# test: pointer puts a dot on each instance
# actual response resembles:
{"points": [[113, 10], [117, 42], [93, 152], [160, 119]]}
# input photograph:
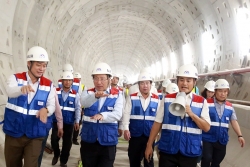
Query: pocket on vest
{"points": [[88, 132], [12, 120]]}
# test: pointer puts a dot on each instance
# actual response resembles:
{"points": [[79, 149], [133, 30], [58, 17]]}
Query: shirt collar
{"points": [[107, 90], [70, 91], [139, 94], [29, 79], [215, 101], [190, 95]]}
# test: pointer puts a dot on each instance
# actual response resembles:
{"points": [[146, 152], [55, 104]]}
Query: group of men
{"points": [[141, 117]]}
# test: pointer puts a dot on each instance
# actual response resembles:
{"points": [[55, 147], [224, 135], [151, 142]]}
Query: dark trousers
{"points": [[136, 150], [17, 149], [42, 150], [176, 160], [213, 154], [66, 144], [96, 155], [76, 132]]}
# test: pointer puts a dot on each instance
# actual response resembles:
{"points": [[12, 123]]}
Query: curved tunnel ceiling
{"points": [[127, 34]]}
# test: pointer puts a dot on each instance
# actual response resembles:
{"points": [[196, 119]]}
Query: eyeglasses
{"points": [[144, 83], [100, 79]]}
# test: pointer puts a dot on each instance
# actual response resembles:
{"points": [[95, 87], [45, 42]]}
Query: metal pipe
{"points": [[246, 103], [226, 72]]}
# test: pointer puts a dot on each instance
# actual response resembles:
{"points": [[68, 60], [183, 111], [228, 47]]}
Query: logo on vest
{"points": [[40, 103]]}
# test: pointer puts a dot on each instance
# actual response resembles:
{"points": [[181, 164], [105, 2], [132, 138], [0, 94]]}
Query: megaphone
{"points": [[177, 107]]}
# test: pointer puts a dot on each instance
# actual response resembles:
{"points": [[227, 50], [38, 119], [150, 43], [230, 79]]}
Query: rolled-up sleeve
{"points": [[160, 112], [126, 113], [205, 112], [78, 109], [51, 105], [13, 90], [87, 99], [116, 114], [58, 113]]}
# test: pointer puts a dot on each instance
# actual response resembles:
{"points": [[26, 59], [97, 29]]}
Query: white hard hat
{"points": [[37, 53], [187, 70], [68, 67], [77, 75], [102, 68], [166, 82], [221, 84], [116, 75], [172, 88], [144, 77], [67, 75], [210, 85]]}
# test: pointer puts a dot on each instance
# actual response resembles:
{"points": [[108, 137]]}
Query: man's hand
{"points": [[120, 132], [97, 117], [26, 89], [188, 110], [127, 135], [60, 133], [76, 126], [241, 141], [100, 94], [42, 114], [148, 153]]}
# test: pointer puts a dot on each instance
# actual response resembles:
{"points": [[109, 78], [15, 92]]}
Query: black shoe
{"points": [[75, 142], [63, 165], [54, 160]]}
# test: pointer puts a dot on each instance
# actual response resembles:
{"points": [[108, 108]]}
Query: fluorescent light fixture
{"points": [[207, 48], [187, 55], [243, 29], [173, 62]]}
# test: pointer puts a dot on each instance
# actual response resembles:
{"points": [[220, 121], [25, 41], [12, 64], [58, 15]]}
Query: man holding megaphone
{"points": [[182, 117]]}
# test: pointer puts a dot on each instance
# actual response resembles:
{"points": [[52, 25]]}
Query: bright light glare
{"points": [[173, 62], [164, 62], [243, 27], [207, 48], [187, 55], [158, 69], [153, 70]]}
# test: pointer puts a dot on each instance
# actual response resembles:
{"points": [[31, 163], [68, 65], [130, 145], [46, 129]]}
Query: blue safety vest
{"points": [[181, 134], [20, 117], [105, 132], [142, 121], [219, 126], [67, 106]]}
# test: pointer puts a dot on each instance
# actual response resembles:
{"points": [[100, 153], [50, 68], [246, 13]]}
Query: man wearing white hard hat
{"points": [[69, 101], [102, 110], [138, 117], [135, 88], [181, 130], [76, 81], [162, 92], [31, 101], [221, 113]]}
